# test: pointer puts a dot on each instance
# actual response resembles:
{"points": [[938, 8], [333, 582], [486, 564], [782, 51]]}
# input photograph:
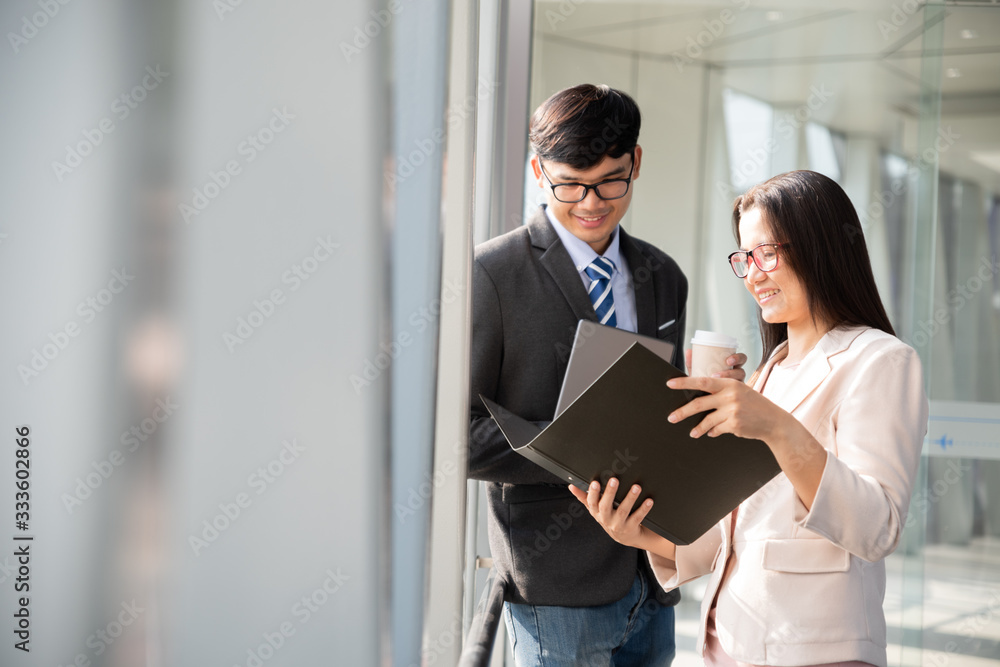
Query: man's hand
{"points": [[621, 523]]}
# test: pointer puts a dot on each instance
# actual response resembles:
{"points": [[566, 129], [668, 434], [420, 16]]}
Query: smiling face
{"points": [[592, 220], [780, 293]]}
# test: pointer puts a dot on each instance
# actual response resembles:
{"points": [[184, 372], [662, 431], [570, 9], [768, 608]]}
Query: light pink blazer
{"points": [[807, 586]]}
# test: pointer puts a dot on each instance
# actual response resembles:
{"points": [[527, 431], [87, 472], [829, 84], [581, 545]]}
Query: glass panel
{"points": [[749, 126], [822, 150], [898, 103]]}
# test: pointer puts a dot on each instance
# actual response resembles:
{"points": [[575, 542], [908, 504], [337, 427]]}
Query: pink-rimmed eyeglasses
{"points": [[765, 256]]}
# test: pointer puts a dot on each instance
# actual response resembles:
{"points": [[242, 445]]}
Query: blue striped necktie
{"points": [[600, 271]]}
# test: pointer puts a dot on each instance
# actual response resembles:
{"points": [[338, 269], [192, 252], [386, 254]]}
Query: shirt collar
{"points": [[581, 253]]}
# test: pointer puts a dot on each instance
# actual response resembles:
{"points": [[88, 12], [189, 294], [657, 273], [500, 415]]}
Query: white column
{"points": [[442, 632]]}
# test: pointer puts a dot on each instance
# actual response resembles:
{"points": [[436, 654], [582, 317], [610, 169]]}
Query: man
{"points": [[574, 596]]}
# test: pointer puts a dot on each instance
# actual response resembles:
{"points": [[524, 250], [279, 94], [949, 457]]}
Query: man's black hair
{"points": [[580, 125]]}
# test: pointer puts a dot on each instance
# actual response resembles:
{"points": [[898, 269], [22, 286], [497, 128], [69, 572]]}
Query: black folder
{"points": [[618, 428]]}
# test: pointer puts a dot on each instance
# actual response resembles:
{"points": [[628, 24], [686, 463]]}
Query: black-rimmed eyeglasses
{"points": [[571, 193], [765, 256]]}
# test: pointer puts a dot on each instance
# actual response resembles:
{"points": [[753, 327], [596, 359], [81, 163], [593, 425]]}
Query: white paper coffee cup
{"points": [[709, 351]]}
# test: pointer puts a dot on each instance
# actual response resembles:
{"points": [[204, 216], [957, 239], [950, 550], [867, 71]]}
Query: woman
{"points": [[797, 570]]}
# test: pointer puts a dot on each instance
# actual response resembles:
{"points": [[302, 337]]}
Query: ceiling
{"points": [[871, 53]]}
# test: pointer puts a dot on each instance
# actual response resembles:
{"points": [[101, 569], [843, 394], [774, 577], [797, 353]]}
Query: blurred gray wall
{"points": [[208, 484]]}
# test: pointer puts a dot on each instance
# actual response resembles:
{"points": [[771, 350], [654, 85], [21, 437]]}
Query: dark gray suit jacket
{"points": [[527, 300]]}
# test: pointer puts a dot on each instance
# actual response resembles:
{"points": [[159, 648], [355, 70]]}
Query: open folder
{"points": [[618, 428]]}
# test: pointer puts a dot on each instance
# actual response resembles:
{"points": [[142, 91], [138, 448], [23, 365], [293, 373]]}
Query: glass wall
{"points": [[221, 261], [898, 102]]}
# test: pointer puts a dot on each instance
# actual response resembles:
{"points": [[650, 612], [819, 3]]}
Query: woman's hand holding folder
{"points": [[734, 407]]}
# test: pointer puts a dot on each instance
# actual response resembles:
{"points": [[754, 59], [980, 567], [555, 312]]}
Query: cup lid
{"points": [[712, 338]]}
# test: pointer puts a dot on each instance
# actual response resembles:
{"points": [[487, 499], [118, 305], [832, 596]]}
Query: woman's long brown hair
{"points": [[826, 250]]}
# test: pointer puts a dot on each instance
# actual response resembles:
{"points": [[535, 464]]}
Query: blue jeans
{"points": [[636, 630]]}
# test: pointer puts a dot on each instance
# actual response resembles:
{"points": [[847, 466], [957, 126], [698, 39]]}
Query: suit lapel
{"points": [[557, 262], [814, 368], [645, 300]]}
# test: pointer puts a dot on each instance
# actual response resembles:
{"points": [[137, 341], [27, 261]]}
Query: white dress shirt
{"points": [[621, 280]]}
